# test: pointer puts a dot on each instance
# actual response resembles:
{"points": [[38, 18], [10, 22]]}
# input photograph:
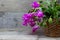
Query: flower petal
{"points": [[35, 28]]}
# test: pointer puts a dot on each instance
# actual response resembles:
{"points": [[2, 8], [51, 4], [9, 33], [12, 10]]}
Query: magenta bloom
{"points": [[27, 16], [28, 19], [32, 23], [32, 19], [35, 28], [25, 23], [35, 4], [39, 14]]}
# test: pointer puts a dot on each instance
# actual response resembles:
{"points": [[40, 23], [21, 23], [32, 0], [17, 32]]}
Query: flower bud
{"points": [[50, 20]]}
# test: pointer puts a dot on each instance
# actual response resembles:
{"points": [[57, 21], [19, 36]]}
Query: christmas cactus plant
{"points": [[41, 12]]}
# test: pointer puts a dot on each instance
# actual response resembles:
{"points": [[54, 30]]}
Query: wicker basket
{"points": [[53, 30]]}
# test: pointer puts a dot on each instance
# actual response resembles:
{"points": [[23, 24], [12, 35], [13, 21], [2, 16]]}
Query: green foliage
{"points": [[51, 10]]}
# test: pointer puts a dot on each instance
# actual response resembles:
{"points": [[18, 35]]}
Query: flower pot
{"points": [[52, 30]]}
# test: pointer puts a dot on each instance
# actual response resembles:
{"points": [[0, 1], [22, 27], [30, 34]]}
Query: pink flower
{"points": [[35, 28], [25, 17], [32, 19], [25, 23], [32, 23], [35, 4], [28, 19], [39, 14]]}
